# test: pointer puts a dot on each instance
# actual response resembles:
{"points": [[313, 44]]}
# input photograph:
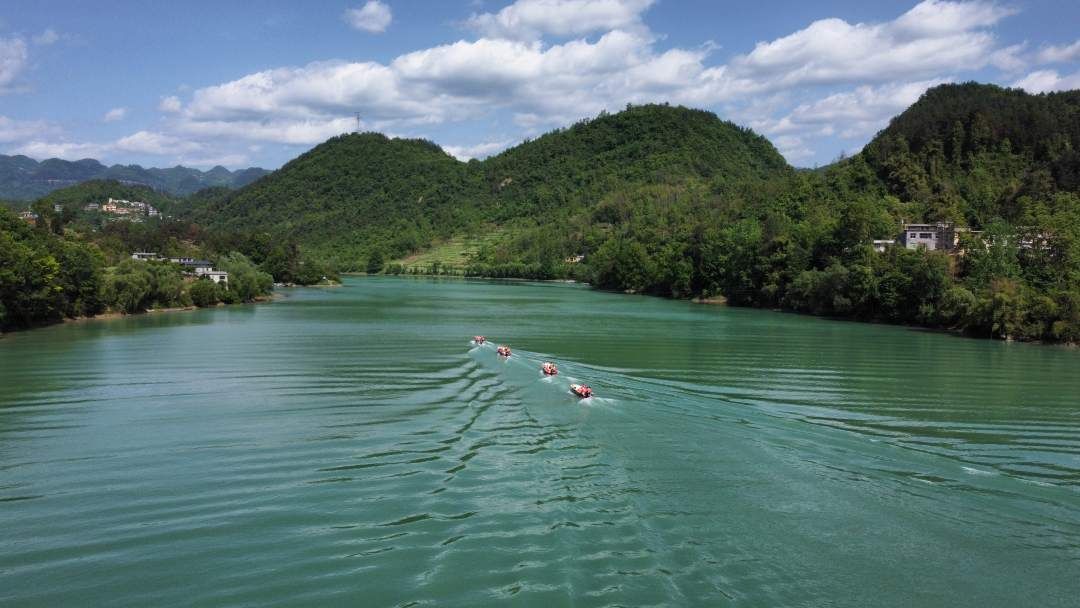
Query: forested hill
{"points": [[353, 190], [972, 152], [358, 192], [642, 144], [23, 178]]}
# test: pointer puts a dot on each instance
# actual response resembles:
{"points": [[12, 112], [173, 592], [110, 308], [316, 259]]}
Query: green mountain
{"points": [[971, 152], [363, 192], [23, 178], [354, 189]]}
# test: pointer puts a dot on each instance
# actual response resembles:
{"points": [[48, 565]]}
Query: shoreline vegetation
{"points": [[656, 200]]}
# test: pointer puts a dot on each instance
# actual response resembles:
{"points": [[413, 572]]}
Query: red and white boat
{"points": [[503, 351], [479, 340], [549, 369], [581, 390]]}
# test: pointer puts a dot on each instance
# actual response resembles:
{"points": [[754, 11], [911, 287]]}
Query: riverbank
{"points": [[110, 315]]}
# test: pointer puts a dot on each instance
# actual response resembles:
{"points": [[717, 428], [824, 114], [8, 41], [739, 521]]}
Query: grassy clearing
{"points": [[454, 253]]}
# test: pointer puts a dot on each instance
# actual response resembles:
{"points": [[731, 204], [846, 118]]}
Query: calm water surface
{"points": [[350, 447]]}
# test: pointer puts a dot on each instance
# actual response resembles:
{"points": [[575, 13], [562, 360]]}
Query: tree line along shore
{"points": [[662, 200]]}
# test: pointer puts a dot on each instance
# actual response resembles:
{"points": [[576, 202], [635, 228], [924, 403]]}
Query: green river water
{"points": [[349, 447]]}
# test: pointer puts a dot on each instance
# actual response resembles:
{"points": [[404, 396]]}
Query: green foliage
{"points": [[44, 278], [246, 281], [127, 288], [358, 193], [375, 262], [204, 292]]}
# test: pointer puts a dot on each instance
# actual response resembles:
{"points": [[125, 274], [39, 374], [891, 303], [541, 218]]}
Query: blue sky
{"points": [[242, 83]]}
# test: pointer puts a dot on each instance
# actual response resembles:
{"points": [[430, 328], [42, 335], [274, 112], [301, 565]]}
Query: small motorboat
{"points": [[549, 369], [581, 390], [479, 340], [503, 351]]}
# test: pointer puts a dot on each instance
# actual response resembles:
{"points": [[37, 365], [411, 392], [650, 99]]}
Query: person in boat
{"points": [[479, 339], [581, 390], [503, 350], [549, 369]]}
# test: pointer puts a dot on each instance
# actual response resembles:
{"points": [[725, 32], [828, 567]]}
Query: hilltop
{"points": [[971, 152], [23, 178], [358, 193]]}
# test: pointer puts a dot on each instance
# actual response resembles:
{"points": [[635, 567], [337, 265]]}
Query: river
{"points": [[349, 446]]}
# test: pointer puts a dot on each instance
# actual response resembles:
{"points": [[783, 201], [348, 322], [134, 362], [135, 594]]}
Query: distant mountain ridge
{"points": [[23, 178]]}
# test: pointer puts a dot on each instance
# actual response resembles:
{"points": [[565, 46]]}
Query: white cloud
{"points": [[21, 130], [114, 115], [49, 36], [1009, 59], [793, 148], [226, 160], [543, 84], [932, 37], [832, 78], [1044, 81], [170, 104], [66, 150], [481, 150], [943, 18], [532, 19], [13, 58], [857, 113], [149, 142], [373, 17], [286, 132], [1060, 54]]}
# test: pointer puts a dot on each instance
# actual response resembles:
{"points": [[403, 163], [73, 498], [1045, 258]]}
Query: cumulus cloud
{"points": [[279, 131], [1045, 81], [373, 17], [1060, 54], [170, 104], [532, 19], [544, 84], [140, 142], [115, 115], [481, 150], [65, 150], [857, 113], [550, 62], [794, 149], [932, 37], [226, 160], [13, 58], [20, 130], [149, 142]]}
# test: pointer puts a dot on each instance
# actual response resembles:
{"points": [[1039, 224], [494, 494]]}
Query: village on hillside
{"points": [[113, 209]]}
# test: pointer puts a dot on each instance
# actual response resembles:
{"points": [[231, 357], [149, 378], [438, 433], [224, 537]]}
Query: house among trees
{"points": [[934, 237], [192, 267], [29, 217]]}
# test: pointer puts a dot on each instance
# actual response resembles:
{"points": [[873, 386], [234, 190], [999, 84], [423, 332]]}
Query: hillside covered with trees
{"points": [[362, 194], [998, 162], [678, 203]]}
